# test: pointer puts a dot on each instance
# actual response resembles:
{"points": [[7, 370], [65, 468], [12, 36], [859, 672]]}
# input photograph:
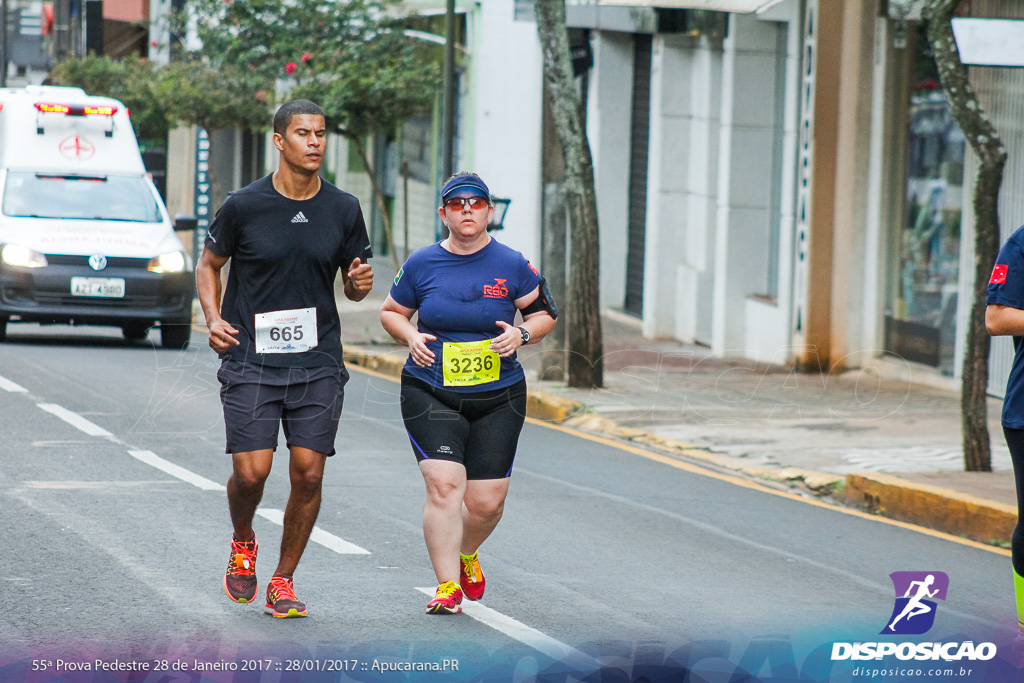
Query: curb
{"points": [[383, 362], [539, 405], [933, 507]]}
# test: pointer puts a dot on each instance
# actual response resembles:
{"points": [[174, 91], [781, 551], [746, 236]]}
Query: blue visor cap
{"points": [[465, 186]]}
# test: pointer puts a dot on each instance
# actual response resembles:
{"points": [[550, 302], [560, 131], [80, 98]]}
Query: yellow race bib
{"points": [[467, 364]]}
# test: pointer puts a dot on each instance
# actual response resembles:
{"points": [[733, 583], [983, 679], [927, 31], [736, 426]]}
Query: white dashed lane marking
{"points": [[527, 635], [154, 460], [75, 420], [324, 538], [13, 387]]}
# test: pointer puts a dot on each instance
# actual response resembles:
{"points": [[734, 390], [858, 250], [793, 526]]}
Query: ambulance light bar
{"points": [[75, 110]]}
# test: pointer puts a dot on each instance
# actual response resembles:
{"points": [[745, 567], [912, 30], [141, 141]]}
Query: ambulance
{"points": [[84, 237]]}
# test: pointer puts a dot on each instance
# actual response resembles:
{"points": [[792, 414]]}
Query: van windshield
{"points": [[95, 197]]}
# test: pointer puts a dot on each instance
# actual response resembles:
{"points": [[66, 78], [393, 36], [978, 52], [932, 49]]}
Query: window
{"points": [[920, 322], [111, 198]]}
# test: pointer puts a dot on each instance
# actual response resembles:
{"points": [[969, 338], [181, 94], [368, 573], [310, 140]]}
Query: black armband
{"points": [[543, 303]]}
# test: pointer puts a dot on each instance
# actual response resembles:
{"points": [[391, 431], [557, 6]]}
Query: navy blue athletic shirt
{"points": [[459, 297], [1006, 288]]}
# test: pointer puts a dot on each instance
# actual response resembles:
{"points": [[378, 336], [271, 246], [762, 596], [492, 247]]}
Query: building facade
{"points": [[786, 182]]}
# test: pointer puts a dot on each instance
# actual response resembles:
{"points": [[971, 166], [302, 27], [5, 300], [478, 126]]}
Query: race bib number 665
{"points": [[291, 331]]}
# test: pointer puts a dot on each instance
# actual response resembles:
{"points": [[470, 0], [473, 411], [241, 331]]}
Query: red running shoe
{"points": [[281, 600], [240, 579], [447, 600], [472, 579]]}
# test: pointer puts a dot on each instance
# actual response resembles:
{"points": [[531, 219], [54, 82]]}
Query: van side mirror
{"points": [[184, 222]]}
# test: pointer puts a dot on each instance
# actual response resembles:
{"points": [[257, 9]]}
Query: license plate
{"points": [[112, 287]]}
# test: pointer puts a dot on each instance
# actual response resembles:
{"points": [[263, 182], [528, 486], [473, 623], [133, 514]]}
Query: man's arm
{"points": [[222, 334]]}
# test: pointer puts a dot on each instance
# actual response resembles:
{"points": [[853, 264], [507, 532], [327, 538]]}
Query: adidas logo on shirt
{"points": [[299, 218]]}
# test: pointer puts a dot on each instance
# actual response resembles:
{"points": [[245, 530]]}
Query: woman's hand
{"points": [[418, 351], [506, 343]]}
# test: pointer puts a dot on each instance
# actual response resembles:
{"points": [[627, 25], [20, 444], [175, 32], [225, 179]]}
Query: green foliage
{"points": [[196, 92], [352, 58], [132, 81]]}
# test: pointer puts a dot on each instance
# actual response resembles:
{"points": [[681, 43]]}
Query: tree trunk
{"points": [[379, 196], [582, 307], [985, 142], [552, 361]]}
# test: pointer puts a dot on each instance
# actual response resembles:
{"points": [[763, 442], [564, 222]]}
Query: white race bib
{"points": [[291, 331]]}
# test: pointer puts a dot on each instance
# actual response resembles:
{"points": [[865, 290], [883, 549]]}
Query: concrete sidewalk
{"points": [[863, 439]]}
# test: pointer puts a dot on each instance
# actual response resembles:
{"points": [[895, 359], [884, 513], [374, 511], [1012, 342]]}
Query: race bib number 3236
{"points": [[467, 364], [291, 331]]}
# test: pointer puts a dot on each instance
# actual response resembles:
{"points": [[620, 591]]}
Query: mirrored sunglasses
{"points": [[456, 203]]}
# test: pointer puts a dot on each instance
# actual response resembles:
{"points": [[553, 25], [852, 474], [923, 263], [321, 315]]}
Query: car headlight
{"points": [[23, 257], [173, 262]]}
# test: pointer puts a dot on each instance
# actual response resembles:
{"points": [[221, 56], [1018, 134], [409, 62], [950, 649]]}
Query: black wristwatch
{"points": [[526, 335]]}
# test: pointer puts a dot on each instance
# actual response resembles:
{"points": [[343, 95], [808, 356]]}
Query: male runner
{"points": [[279, 337]]}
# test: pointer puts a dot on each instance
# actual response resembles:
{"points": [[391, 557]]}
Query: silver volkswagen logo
{"points": [[97, 262]]}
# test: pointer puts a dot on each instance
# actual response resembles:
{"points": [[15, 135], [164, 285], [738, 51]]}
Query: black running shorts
{"points": [[480, 429], [257, 401]]}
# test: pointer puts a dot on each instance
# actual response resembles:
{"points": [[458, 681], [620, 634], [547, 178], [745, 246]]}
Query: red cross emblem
{"points": [[77, 148]]}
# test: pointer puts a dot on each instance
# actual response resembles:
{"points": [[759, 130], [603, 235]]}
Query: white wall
{"points": [[768, 324], [694, 272], [608, 129], [667, 178], [506, 76], [744, 177]]}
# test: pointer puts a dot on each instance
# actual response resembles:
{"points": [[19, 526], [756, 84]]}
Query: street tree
{"points": [[991, 153], [582, 310], [213, 96], [353, 58]]}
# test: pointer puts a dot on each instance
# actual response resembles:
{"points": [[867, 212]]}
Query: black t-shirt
{"points": [[285, 255]]}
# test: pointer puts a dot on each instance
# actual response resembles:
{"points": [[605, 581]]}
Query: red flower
{"points": [[290, 68], [306, 57]]}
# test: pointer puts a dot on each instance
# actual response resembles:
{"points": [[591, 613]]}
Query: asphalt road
{"points": [[115, 541]]}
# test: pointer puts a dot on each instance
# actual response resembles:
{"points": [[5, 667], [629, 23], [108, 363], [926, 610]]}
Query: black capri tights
{"points": [[1015, 440], [478, 429]]}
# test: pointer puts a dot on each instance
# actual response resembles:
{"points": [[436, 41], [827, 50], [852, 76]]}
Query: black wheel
{"points": [[135, 331], [175, 335], [3, 329]]}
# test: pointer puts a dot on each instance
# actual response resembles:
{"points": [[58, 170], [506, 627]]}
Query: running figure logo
{"points": [[914, 613]]}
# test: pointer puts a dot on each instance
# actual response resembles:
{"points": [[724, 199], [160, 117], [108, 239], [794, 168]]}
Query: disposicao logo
{"points": [[913, 614], [916, 592]]}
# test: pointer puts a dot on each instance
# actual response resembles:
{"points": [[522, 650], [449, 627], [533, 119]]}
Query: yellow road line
{"points": [[739, 481]]}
